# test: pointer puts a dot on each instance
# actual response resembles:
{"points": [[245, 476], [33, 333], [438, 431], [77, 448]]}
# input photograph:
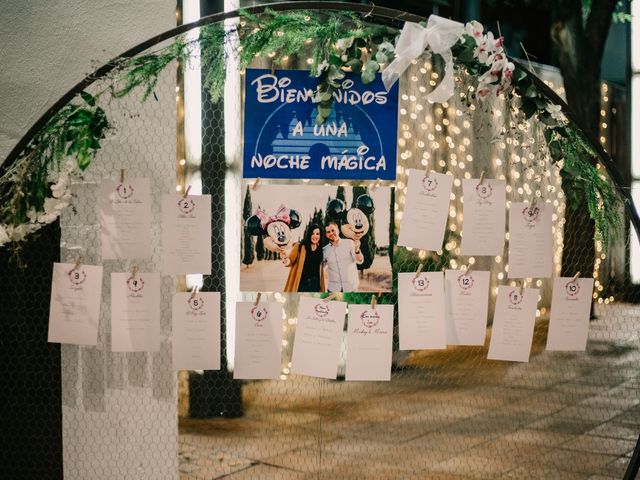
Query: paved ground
{"points": [[443, 415]]}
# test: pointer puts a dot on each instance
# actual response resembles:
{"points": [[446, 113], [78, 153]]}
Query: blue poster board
{"points": [[281, 139]]}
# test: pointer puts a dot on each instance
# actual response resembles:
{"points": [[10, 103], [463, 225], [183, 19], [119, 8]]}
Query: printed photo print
{"points": [[316, 239]]}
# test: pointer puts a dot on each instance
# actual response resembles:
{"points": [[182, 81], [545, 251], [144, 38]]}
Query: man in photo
{"points": [[341, 256]]}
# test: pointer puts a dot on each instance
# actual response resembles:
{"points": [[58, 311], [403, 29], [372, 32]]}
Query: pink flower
{"points": [[474, 29]]}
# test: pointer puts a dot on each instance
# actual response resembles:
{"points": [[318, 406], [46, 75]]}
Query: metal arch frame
{"points": [[388, 14], [369, 10]]}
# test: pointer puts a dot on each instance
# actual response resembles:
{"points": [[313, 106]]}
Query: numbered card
{"points": [[513, 324], [570, 312], [466, 306], [425, 211], [483, 219], [186, 234], [125, 218], [196, 331], [530, 240], [421, 311], [316, 349], [258, 340], [369, 342], [135, 312], [75, 304]]}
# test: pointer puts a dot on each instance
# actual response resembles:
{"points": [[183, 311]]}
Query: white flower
{"points": [[474, 29], [47, 217], [4, 235], [322, 66], [343, 43], [556, 112]]}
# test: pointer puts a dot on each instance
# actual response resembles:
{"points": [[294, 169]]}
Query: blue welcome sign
{"points": [[281, 139]]}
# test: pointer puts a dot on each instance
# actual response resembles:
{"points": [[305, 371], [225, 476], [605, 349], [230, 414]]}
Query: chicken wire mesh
{"points": [[444, 414]]}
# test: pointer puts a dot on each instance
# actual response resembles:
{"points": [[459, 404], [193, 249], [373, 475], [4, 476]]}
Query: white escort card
{"points": [[530, 240], [513, 324], [125, 218], [74, 310], [369, 342], [186, 234], [466, 306], [135, 312], [483, 217], [425, 211], [421, 311], [258, 340], [196, 331], [316, 348], [570, 311]]}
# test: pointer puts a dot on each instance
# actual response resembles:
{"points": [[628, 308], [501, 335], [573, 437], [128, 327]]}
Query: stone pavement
{"points": [[444, 415]]}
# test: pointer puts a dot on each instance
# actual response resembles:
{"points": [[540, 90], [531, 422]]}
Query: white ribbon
{"points": [[440, 35]]}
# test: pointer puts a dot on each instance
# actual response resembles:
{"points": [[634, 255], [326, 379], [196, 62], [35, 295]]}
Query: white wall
{"points": [[119, 410], [46, 47]]}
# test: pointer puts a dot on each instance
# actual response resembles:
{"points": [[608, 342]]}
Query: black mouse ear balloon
{"points": [[294, 219], [335, 209], [253, 226], [365, 203]]}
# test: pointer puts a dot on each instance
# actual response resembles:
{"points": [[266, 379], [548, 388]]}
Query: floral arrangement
{"points": [[35, 188]]}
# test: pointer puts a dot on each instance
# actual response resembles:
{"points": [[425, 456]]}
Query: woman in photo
{"points": [[305, 261]]}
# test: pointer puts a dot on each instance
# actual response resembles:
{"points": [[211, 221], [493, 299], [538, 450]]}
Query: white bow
{"points": [[440, 35]]}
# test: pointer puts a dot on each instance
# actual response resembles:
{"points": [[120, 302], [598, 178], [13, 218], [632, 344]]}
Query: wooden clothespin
{"points": [[376, 185], [374, 302], [467, 271], [134, 271], [481, 178], [330, 297], [521, 289], [78, 263], [257, 299], [255, 183], [420, 267], [575, 277], [194, 291], [122, 175], [186, 192]]}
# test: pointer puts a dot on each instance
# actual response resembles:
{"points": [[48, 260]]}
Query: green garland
{"points": [[337, 43]]}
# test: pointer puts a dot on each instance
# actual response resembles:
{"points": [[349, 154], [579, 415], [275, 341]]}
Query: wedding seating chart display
{"points": [[196, 331], [513, 324], [466, 306], [483, 219], [530, 240], [282, 139], [570, 310], [421, 311], [369, 342], [125, 218], [316, 348], [425, 211], [74, 313], [135, 312], [258, 340], [186, 234]]}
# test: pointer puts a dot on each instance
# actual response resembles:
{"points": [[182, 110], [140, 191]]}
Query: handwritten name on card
{"points": [[135, 312], [421, 311], [369, 342], [196, 331], [513, 324], [426, 209], [75, 304], [466, 306], [316, 348], [570, 311], [258, 340]]}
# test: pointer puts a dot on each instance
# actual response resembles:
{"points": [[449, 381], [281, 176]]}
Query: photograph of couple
{"points": [[342, 246]]}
